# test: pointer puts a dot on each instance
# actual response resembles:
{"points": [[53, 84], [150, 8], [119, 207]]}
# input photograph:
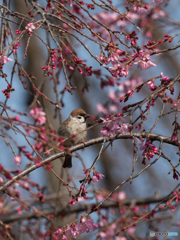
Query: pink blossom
{"points": [[97, 176], [1, 180], [139, 10], [158, 14], [100, 197], [115, 126], [136, 209], [165, 79], [129, 84], [58, 231], [151, 83], [141, 143], [143, 60], [149, 149], [124, 72], [85, 225], [120, 238], [133, 16], [131, 231], [81, 200], [121, 195], [124, 128], [112, 95], [117, 70], [108, 19], [38, 115], [113, 108], [17, 160], [8, 90], [70, 2], [26, 185], [30, 27], [100, 58], [72, 201], [72, 231], [17, 118], [19, 210], [64, 237], [108, 232], [101, 108], [4, 59], [14, 191], [112, 57], [43, 136], [108, 129], [70, 68]]}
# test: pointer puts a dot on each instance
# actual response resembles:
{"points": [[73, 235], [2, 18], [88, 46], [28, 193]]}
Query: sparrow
{"points": [[74, 125]]}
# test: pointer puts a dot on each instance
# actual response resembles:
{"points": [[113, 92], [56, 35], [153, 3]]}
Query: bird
{"points": [[74, 125]]}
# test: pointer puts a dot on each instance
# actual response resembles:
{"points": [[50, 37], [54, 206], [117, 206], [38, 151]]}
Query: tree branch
{"points": [[152, 137], [82, 208]]}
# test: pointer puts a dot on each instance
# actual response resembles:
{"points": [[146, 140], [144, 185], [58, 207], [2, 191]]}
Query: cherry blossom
{"points": [[121, 195], [85, 225], [165, 79], [108, 231], [8, 90], [4, 59], [158, 13], [1, 180], [148, 147], [17, 160], [58, 231], [112, 95], [131, 231], [72, 201], [30, 27], [143, 60], [115, 126], [97, 176], [120, 238], [129, 84], [19, 210], [117, 70], [113, 108], [141, 144], [38, 115], [101, 108], [64, 237], [117, 37]]}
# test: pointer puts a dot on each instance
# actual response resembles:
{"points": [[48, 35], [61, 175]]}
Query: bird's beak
{"points": [[86, 115]]}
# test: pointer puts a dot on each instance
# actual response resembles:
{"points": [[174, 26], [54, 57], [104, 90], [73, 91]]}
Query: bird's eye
{"points": [[79, 117]]}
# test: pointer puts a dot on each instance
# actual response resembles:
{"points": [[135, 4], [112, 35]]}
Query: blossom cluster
{"points": [[115, 125], [96, 176], [85, 225], [117, 69], [148, 148], [143, 60], [8, 90], [38, 115]]}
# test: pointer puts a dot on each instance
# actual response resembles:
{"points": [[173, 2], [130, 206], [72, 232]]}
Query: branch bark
{"points": [[152, 137], [80, 208]]}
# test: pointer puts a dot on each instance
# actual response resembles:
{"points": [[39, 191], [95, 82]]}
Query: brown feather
{"points": [[78, 111]]}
